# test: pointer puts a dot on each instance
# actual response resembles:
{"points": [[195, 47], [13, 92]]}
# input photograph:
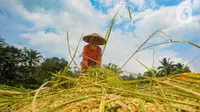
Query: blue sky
{"points": [[42, 25]]}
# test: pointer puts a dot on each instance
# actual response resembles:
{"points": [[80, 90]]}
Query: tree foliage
{"points": [[168, 68], [26, 67], [113, 67]]}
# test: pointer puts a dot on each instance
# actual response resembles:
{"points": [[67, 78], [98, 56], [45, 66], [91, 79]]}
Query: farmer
{"points": [[92, 52]]}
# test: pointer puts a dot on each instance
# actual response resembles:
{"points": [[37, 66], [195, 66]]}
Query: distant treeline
{"points": [[26, 67], [167, 68]]}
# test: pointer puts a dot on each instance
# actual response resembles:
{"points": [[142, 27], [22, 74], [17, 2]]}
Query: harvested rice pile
{"points": [[100, 90]]}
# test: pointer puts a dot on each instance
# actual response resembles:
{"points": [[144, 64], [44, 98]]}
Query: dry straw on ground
{"points": [[101, 89]]}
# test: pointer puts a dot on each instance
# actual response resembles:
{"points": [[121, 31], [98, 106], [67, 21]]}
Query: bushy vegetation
{"points": [[167, 68], [26, 67]]}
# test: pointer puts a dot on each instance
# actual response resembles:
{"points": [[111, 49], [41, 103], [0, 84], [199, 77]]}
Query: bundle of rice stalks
{"points": [[100, 89]]}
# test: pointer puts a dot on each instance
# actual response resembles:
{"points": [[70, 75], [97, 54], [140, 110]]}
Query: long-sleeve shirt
{"points": [[94, 54]]}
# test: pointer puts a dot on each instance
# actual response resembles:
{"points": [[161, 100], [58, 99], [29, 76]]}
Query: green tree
{"points": [[166, 68], [150, 73], [169, 68], [34, 57], [9, 65], [128, 77], [25, 67], [2, 43], [113, 67], [181, 68], [54, 64]]}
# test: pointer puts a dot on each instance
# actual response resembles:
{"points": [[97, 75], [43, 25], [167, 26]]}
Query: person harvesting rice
{"points": [[92, 53]]}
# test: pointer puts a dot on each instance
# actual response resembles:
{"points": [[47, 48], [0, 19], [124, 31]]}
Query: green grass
{"points": [[10, 88]]}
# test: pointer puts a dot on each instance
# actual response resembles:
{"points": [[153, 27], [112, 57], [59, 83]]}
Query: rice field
{"points": [[101, 89]]}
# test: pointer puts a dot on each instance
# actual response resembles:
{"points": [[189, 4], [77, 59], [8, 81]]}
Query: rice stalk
{"points": [[129, 12], [142, 80], [159, 30], [103, 91], [72, 57], [102, 105], [64, 104], [109, 31], [170, 84], [112, 108], [140, 94], [75, 52], [165, 83], [165, 34], [123, 105], [152, 73], [143, 108], [151, 36], [35, 96], [146, 95], [66, 68], [10, 92], [183, 93], [184, 109], [173, 41]]}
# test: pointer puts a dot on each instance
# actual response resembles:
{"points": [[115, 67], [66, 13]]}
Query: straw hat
{"points": [[101, 40]]}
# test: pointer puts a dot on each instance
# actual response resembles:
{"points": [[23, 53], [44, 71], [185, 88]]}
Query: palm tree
{"points": [[3, 45], [181, 68], [2, 42], [167, 67], [33, 57]]}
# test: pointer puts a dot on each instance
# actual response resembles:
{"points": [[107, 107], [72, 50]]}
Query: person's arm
{"points": [[99, 57], [85, 59]]}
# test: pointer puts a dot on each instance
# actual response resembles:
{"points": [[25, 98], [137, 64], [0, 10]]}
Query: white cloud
{"points": [[153, 20], [139, 3], [196, 5], [107, 2], [47, 42]]}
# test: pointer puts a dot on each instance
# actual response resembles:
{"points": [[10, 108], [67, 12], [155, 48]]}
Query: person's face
{"points": [[94, 42]]}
